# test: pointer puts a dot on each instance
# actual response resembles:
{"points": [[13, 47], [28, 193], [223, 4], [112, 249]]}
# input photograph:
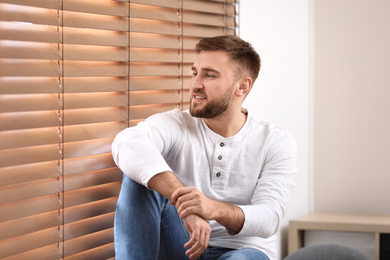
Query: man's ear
{"points": [[244, 87]]}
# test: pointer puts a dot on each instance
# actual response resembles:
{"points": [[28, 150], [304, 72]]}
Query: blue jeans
{"points": [[148, 227]]}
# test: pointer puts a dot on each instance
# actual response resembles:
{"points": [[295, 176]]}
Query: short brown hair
{"points": [[239, 51]]}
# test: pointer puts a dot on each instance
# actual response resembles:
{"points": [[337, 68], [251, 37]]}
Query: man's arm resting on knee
{"points": [[190, 200], [166, 183]]}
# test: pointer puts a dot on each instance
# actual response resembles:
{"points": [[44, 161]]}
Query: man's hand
{"points": [[166, 183], [200, 232], [189, 200], [194, 220]]}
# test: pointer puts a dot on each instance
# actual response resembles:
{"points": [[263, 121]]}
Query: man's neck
{"points": [[227, 124]]}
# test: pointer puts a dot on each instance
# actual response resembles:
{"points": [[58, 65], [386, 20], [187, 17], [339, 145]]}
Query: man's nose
{"points": [[196, 82]]}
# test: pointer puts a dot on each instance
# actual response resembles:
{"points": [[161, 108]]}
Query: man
{"points": [[211, 182]]}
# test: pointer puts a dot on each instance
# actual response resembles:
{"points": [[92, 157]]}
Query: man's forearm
{"points": [[165, 183], [229, 216], [190, 200]]}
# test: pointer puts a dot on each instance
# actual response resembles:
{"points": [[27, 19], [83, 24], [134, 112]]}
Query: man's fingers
{"points": [[195, 254], [198, 242], [178, 193], [197, 247], [194, 238], [187, 208]]}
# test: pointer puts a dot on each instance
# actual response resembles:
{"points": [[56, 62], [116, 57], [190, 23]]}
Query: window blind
{"points": [[73, 73]]}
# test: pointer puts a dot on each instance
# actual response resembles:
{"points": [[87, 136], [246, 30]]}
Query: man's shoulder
{"points": [[267, 127], [172, 116], [174, 113]]}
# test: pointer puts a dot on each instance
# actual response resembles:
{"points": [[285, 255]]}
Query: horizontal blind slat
{"points": [[106, 7], [29, 68], [29, 50], [84, 227], [36, 3], [88, 179], [26, 155], [95, 84], [155, 40], [89, 210], [91, 194], [30, 32], [92, 131], [209, 7], [155, 83], [88, 163], [155, 55], [84, 243], [30, 224], [186, 95], [188, 57], [155, 97], [187, 71], [23, 102], [49, 252], [95, 21], [28, 120], [29, 172], [92, 100], [29, 137], [205, 31], [208, 19], [189, 42], [95, 37], [154, 13], [30, 207], [166, 3], [154, 69], [30, 190], [29, 85], [101, 252], [27, 14], [144, 111], [95, 69], [87, 148], [95, 53], [30, 241], [158, 27], [95, 115]]}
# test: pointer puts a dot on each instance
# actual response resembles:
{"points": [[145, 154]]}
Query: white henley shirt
{"points": [[253, 169]]}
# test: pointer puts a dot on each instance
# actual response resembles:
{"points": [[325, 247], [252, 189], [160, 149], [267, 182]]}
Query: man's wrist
{"points": [[230, 216], [165, 183]]}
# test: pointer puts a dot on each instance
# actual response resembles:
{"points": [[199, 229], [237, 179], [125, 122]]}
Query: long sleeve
{"points": [[264, 216], [138, 151]]}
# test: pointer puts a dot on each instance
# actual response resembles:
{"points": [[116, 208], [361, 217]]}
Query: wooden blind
{"points": [[73, 73]]}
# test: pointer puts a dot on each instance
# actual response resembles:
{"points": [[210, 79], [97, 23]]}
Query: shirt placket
{"points": [[219, 171]]}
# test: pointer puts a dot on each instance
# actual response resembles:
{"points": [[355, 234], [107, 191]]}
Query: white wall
{"points": [[280, 30]]}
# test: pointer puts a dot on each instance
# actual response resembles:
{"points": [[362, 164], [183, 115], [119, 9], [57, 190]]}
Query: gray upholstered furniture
{"points": [[326, 252]]}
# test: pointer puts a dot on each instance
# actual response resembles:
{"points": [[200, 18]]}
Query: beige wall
{"points": [[351, 163], [326, 77]]}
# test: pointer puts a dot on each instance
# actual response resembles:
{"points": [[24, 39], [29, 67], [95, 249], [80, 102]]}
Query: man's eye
{"points": [[210, 76], [194, 74]]}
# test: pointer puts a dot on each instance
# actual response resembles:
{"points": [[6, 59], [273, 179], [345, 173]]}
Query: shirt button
{"points": [[219, 157], [218, 174], [222, 144]]}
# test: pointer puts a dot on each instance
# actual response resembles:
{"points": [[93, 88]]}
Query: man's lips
{"points": [[198, 97]]}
